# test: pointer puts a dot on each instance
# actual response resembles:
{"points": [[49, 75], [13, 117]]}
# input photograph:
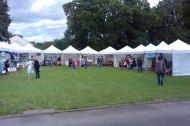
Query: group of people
{"points": [[72, 62], [131, 62], [160, 66], [4, 67], [33, 62], [53, 61]]}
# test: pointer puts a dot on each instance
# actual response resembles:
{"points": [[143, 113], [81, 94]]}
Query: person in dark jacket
{"points": [[6, 64], [160, 70], [37, 68], [140, 63]]}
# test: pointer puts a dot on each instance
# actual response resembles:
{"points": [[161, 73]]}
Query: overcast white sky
{"points": [[40, 20]]}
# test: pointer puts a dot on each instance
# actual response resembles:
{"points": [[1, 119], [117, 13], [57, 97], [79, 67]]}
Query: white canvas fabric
{"points": [[88, 50], [30, 49], [71, 50], [181, 64], [19, 41], [52, 49], [108, 50], [139, 49], [163, 48], [16, 48], [125, 50], [150, 48], [4, 47], [179, 47]]}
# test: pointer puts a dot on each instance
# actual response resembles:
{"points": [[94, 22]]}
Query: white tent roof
{"points": [[16, 48], [139, 49], [52, 49], [19, 41], [180, 47], [163, 48], [108, 50], [125, 50], [4, 47], [71, 50], [150, 48], [30, 49], [88, 50]]}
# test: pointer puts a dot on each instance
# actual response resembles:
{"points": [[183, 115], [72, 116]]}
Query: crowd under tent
{"points": [[51, 53], [91, 55], [108, 55], [28, 51], [70, 52], [122, 54]]}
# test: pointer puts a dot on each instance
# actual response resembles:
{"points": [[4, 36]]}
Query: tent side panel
{"points": [[181, 64]]}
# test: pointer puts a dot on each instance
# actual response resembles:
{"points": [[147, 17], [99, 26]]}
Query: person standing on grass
{"points": [[29, 68], [140, 63], [37, 68], [1, 67], [160, 70], [85, 62], [7, 66]]}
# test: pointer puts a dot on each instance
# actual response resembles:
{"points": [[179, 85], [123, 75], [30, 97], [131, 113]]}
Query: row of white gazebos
{"points": [[178, 51], [176, 47]]}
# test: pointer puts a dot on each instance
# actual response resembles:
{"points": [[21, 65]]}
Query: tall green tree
{"points": [[186, 13], [170, 22], [186, 19], [102, 23], [4, 19]]}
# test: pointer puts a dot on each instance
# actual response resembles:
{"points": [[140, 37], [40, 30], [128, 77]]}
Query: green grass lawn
{"points": [[65, 88]]}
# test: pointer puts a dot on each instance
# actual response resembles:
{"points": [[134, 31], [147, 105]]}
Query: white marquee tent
{"points": [[19, 41], [71, 50], [181, 58], [88, 50], [4, 47], [53, 50], [139, 49], [31, 49], [16, 48], [125, 50], [150, 48], [179, 47], [108, 50], [163, 48]]}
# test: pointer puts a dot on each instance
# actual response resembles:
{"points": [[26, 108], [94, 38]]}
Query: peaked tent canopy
{"points": [[71, 50], [139, 49], [108, 50], [4, 47], [88, 50], [125, 50], [163, 48], [19, 41], [150, 48], [16, 48], [52, 49], [30, 49], [179, 47]]}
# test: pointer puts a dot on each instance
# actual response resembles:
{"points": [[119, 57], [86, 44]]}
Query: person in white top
{"points": [[29, 68]]}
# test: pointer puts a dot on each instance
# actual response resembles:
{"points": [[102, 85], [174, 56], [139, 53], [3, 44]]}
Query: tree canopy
{"points": [[4, 19], [102, 23]]}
